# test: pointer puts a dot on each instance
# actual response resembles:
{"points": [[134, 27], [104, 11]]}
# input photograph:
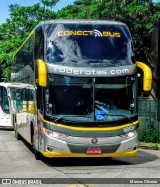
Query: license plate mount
{"points": [[94, 151]]}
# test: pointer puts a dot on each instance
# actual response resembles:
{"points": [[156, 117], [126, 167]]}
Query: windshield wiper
{"points": [[65, 119], [59, 119]]}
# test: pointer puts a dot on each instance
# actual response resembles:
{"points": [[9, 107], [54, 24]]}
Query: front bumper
{"points": [[77, 146], [117, 154]]}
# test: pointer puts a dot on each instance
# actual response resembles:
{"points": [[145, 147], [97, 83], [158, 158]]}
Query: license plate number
{"points": [[93, 151]]}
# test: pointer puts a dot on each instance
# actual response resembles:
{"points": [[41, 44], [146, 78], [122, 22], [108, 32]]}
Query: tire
{"points": [[108, 158], [12, 121], [17, 135], [37, 154]]}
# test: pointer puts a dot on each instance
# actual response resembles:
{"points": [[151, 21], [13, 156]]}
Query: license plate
{"points": [[93, 151]]}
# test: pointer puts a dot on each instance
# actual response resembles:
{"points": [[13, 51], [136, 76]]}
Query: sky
{"points": [[4, 14]]}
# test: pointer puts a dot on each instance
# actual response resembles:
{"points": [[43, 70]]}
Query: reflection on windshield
{"points": [[81, 45], [114, 99], [91, 99]]}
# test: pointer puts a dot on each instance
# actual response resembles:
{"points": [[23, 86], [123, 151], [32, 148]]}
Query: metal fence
{"points": [[149, 115]]}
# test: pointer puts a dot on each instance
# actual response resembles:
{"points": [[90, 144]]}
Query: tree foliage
{"points": [[139, 15], [14, 31], [49, 3]]}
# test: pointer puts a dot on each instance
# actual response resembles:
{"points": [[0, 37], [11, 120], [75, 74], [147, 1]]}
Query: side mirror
{"points": [[147, 79], [42, 73]]}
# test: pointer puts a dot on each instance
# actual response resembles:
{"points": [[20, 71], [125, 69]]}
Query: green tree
{"points": [[14, 31], [49, 3]]}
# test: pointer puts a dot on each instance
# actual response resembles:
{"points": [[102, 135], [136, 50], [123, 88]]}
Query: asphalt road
{"points": [[17, 161]]}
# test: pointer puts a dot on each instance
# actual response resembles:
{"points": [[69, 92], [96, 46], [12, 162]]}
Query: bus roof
{"points": [[80, 21]]}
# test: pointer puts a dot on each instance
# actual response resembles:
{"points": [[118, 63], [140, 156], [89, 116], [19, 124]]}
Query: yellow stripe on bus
{"points": [[32, 33], [117, 154], [90, 128]]}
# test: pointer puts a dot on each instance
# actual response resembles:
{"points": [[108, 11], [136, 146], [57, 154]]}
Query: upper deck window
{"points": [[89, 45]]}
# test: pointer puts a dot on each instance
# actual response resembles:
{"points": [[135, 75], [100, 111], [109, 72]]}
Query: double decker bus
{"points": [[80, 98]]}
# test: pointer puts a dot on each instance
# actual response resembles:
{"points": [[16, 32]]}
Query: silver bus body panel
{"points": [[82, 143]]}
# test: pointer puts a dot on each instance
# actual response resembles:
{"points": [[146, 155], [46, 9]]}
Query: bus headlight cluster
{"points": [[129, 134], [54, 134]]}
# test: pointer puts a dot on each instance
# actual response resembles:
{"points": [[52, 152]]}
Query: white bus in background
{"points": [[7, 91]]}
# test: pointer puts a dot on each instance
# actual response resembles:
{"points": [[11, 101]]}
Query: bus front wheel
{"points": [[17, 135], [37, 154]]}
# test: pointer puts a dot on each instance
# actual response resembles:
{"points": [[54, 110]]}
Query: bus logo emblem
{"points": [[97, 33], [94, 140]]}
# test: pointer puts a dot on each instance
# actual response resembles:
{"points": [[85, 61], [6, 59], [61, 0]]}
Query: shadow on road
{"points": [[6, 129], [143, 157]]}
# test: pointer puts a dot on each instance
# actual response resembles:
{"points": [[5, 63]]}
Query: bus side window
{"points": [[19, 99], [29, 95], [39, 45], [6, 104], [1, 93]]}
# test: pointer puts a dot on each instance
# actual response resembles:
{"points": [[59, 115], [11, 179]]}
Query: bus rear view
{"points": [[86, 88]]}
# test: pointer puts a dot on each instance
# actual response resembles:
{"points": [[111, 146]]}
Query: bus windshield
{"points": [[89, 45], [91, 99]]}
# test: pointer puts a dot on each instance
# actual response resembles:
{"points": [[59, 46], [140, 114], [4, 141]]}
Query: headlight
{"points": [[54, 134], [129, 134]]}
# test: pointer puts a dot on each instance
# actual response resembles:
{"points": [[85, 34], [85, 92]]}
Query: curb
{"points": [[153, 146]]}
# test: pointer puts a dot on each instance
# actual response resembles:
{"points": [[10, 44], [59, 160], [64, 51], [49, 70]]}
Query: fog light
{"points": [[135, 148], [51, 148], [131, 148]]}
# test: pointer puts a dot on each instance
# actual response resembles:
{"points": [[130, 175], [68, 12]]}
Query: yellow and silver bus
{"points": [[80, 98]]}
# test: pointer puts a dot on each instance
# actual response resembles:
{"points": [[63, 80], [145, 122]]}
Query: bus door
{"points": [[19, 109], [25, 111]]}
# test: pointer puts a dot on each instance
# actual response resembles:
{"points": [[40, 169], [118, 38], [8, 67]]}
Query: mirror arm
{"points": [[42, 73], [147, 79]]}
